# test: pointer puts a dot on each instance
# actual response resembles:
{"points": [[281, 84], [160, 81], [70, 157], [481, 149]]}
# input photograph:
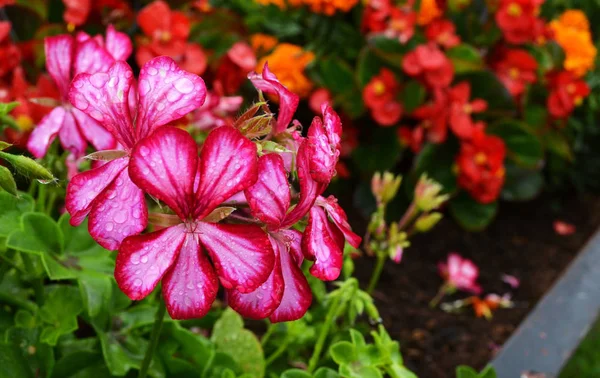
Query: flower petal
{"points": [[228, 164], [154, 17], [118, 212], [191, 285], [59, 55], [91, 57], [288, 101], [118, 44], [70, 137], [338, 215], [143, 260], [93, 131], [261, 303], [166, 93], [241, 254], [297, 295], [45, 132], [85, 187], [323, 243], [105, 98], [165, 165], [269, 198]]}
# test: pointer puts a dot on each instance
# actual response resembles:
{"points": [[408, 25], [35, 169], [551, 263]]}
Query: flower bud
{"points": [[7, 181], [396, 254], [427, 194], [28, 167], [256, 127], [426, 221], [385, 187]]}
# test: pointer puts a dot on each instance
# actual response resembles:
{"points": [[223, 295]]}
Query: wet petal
{"points": [[93, 131], [70, 137], [323, 243], [118, 212], [338, 215], [288, 101], [241, 254], [261, 303], [45, 132], [297, 295], [143, 260], [269, 197], [118, 44], [165, 165], [191, 285], [228, 164], [85, 187], [105, 98], [325, 143], [166, 93], [59, 55], [91, 57]]}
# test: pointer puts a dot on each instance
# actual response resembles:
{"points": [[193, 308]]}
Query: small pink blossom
{"points": [[564, 228], [460, 273], [216, 111], [398, 253], [511, 280]]}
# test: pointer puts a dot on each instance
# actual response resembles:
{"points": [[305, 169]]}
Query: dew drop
{"points": [[144, 151], [137, 282], [144, 259], [109, 226], [184, 85]]}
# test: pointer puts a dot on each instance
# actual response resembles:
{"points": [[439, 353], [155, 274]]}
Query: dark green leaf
{"points": [[524, 147], [556, 142], [337, 75], [296, 373], [465, 58], [60, 311], [521, 184], [12, 363], [368, 65], [485, 85], [412, 95], [466, 372], [436, 160], [75, 362], [380, 152], [7, 181], [472, 215], [12, 210], [38, 234]]}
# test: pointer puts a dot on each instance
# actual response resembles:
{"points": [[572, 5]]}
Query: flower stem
{"points": [[438, 297], [278, 352], [376, 273], [408, 216], [38, 283], [154, 336], [329, 319], [267, 335]]}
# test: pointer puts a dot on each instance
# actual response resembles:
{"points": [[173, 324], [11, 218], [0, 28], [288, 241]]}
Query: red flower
{"points": [[9, 53], [76, 11], [235, 66], [401, 25], [566, 92], [379, 96], [442, 32], [516, 69], [412, 138], [518, 20], [318, 98], [481, 166], [434, 117], [167, 32], [461, 109], [375, 15], [429, 63]]}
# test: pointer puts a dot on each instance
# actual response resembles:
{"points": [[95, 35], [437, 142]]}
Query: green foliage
{"points": [[468, 372], [470, 214]]}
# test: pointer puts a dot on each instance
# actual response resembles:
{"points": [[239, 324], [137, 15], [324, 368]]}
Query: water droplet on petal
{"points": [[184, 85], [137, 282]]}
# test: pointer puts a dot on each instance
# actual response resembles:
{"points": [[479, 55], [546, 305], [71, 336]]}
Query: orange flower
{"points": [[288, 62], [281, 4], [262, 43], [330, 7], [572, 33], [428, 12]]}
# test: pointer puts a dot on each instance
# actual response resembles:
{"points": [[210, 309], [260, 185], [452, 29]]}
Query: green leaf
{"points": [[524, 147], [521, 184], [380, 152], [4, 145], [96, 290], [336, 75], [243, 346], [367, 66], [535, 116], [465, 58], [125, 352], [27, 337], [488, 372], [6, 108], [60, 311], [7, 181], [412, 95], [75, 362], [324, 372], [436, 160], [296, 373], [466, 372], [485, 85], [343, 352], [12, 210], [472, 215], [557, 143], [12, 363], [38, 234], [190, 347]]}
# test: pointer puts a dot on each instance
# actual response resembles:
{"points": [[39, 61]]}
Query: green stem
{"points": [[438, 297], [408, 216], [154, 336], [267, 335], [17, 301], [329, 319], [40, 204], [51, 201], [38, 282], [277, 353], [376, 272]]}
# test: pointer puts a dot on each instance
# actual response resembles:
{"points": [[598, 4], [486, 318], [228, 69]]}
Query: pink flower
{"points": [[511, 280], [193, 256], [288, 101], [216, 111], [66, 57], [460, 273], [324, 143], [428, 63], [563, 228], [115, 205]]}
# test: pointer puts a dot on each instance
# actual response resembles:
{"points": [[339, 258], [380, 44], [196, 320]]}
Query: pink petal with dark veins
{"points": [[288, 101], [297, 295], [323, 243], [70, 137], [165, 165], [324, 138], [104, 97], [118, 212], [228, 164], [93, 131], [84, 188], [269, 197], [261, 303], [166, 93], [44, 133], [241, 254], [337, 214], [118, 44], [59, 55], [191, 285], [144, 259]]}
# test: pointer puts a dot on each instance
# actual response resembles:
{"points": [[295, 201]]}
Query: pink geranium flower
{"points": [[460, 273], [115, 205], [190, 257], [67, 56]]}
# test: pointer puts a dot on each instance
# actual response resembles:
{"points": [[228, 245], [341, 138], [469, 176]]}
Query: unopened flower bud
{"points": [[397, 253], [426, 221], [256, 127], [28, 167], [7, 181], [385, 187], [427, 194]]}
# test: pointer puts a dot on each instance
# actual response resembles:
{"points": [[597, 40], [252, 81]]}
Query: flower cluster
{"points": [[572, 33], [328, 7]]}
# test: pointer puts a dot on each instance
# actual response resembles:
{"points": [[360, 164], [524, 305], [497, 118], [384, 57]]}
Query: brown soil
{"points": [[521, 242]]}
